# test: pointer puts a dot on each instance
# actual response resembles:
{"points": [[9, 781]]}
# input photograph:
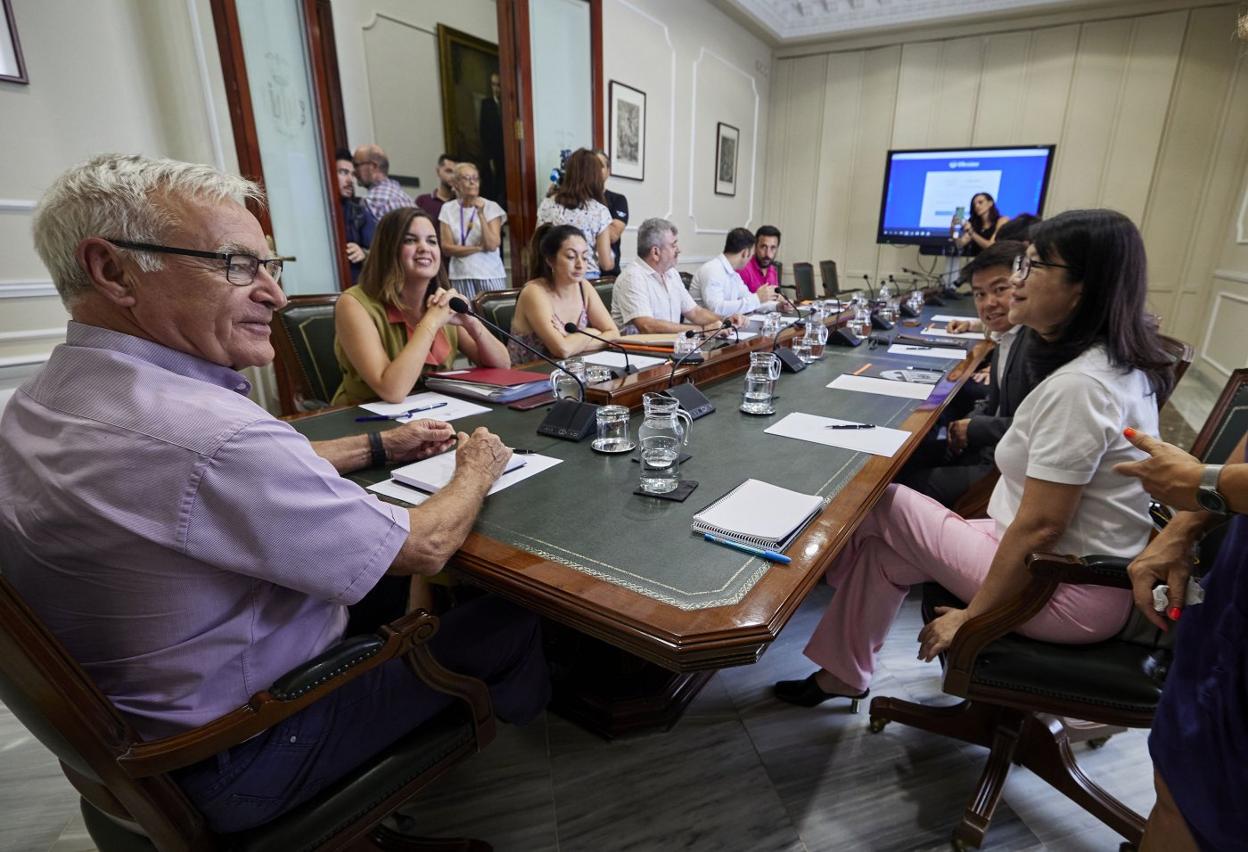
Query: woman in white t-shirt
{"points": [[1079, 291], [578, 201], [471, 229]]}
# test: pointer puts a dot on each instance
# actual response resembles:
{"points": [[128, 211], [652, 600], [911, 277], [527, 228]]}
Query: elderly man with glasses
{"points": [[187, 547]]}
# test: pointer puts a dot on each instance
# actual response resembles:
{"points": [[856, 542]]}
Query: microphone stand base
{"points": [[570, 420], [789, 362], [691, 400]]}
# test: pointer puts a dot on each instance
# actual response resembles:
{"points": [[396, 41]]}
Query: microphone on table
{"points": [[903, 308], [870, 289], [691, 399], [569, 419], [572, 328], [930, 298], [788, 358]]}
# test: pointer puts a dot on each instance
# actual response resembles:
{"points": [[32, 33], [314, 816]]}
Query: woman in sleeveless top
{"points": [[556, 295], [397, 323], [579, 200], [981, 226]]}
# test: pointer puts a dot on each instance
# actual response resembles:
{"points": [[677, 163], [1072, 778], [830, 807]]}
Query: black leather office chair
{"points": [[605, 286], [831, 283], [686, 278], [499, 307], [803, 282], [308, 374], [128, 800]]}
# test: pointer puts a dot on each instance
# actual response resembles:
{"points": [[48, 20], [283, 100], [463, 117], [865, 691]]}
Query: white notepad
{"points": [[880, 441], [965, 335], [616, 360], [760, 514], [432, 474], [450, 409], [884, 387], [926, 351]]}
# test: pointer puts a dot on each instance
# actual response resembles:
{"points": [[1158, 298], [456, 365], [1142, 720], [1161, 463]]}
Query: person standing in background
{"points": [[372, 167], [490, 130], [471, 232], [431, 202], [357, 218], [578, 201], [617, 206]]}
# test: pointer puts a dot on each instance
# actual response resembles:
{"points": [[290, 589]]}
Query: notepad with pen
{"points": [[759, 514]]}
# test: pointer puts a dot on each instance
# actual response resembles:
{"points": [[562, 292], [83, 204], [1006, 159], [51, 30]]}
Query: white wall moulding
{"points": [[11, 361], [1241, 226], [205, 86], [17, 205], [32, 334], [31, 288], [694, 137], [1231, 275], [1226, 333]]}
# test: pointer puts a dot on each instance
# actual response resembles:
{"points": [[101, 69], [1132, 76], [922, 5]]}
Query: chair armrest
{"points": [[1045, 571], [306, 684]]}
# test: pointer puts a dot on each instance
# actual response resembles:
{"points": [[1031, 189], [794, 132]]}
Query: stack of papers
{"points": [[492, 385], [926, 351], [615, 360], [760, 514], [431, 474], [436, 406]]}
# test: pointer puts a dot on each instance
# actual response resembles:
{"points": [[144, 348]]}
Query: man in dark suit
{"points": [[944, 470]]}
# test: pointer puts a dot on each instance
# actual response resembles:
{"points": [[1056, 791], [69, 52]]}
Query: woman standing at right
{"points": [[980, 228], [578, 201]]}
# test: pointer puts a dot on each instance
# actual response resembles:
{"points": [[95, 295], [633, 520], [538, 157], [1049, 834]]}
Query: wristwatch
{"points": [[1207, 495]]}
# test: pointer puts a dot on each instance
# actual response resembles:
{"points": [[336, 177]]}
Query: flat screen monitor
{"points": [[923, 190]]}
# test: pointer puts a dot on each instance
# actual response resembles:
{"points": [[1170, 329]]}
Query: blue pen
{"points": [[769, 555], [372, 418]]}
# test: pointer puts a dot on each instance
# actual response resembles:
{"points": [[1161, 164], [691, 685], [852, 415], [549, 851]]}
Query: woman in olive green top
{"points": [[396, 323]]}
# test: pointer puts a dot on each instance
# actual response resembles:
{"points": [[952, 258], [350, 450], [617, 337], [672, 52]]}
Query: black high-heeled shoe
{"points": [[808, 693]]}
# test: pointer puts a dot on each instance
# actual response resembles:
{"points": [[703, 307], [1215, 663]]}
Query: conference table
{"points": [[642, 610]]}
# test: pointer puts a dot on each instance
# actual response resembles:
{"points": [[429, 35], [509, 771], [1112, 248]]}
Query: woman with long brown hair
{"points": [[397, 323], [579, 201]]}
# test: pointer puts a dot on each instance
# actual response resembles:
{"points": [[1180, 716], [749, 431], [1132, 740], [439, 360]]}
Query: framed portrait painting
{"points": [[472, 116], [627, 131], [727, 138], [12, 66]]}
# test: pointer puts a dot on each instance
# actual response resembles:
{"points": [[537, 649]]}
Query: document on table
{"points": [[946, 318], [439, 470], [399, 491], [884, 387], [966, 335], [746, 335], [942, 352], [880, 441], [616, 360], [452, 410]]}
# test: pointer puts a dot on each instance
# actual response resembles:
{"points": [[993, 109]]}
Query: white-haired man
{"points": [[187, 547]]}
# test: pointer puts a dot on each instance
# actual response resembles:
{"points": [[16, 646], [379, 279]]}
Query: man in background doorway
{"points": [[356, 216], [761, 270], [431, 202], [372, 167], [617, 205], [490, 129]]}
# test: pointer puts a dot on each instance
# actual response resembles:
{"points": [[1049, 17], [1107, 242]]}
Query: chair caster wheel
{"points": [[1097, 743], [877, 724]]}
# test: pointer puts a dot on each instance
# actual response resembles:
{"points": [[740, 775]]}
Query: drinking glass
{"points": [[613, 434]]}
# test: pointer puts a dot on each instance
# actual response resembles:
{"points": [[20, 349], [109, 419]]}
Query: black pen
{"points": [[851, 426], [520, 452]]}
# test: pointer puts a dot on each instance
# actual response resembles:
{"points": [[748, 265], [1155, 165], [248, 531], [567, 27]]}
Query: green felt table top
{"points": [[582, 513]]}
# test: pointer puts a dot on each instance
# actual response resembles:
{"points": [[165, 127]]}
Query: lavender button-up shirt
{"points": [[185, 546]]}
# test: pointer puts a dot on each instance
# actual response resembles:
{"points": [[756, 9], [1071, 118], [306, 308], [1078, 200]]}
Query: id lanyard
{"points": [[463, 234]]}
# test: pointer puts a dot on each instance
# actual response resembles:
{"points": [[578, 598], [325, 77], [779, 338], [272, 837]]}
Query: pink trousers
{"points": [[909, 538]]}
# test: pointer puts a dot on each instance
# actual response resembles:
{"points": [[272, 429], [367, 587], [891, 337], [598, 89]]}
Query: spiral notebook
{"points": [[760, 514]]}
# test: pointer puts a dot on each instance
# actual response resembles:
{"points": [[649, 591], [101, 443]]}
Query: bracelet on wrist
{"points": [[376, 450]]}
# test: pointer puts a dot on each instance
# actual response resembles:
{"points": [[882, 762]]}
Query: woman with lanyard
{"points": [[472, 231]]}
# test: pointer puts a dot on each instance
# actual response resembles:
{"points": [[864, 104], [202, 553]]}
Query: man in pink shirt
{"points": [[761, 270]]}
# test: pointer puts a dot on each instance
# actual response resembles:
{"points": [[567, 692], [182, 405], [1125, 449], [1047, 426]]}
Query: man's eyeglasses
{"points": [[1023, 265], [240, 269]]}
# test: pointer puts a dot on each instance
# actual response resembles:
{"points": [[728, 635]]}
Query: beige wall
{"points": [[388, 64], [1148, 112], [697, 67], [110, 75]]}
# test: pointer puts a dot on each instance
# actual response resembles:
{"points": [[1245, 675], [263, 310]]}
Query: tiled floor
{"points": [[740, 771]]}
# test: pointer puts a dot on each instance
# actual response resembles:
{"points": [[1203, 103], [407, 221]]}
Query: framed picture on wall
{"points": [[472, 111], [12, 66], [726, 139], [627, 128]]}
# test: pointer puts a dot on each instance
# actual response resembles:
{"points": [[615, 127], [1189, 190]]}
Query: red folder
{"points": [[491, 376]]}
